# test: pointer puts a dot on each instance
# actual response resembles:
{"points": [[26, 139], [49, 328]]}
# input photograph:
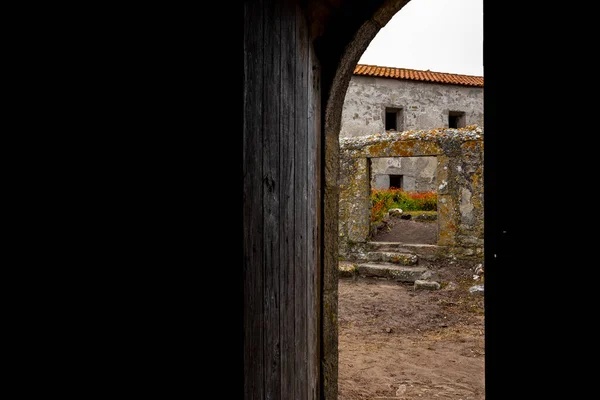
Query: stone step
{"points": [[430, 252], [393, 257], [392, 271]]}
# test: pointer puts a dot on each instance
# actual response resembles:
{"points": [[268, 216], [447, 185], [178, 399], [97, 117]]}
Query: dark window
{"points": [[456, 119], [396, 181], [452, 121], [390, 120], [393, 119]]}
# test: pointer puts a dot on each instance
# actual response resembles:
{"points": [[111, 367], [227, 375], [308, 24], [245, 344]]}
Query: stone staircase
{"points": [[394, 261], [422, 251]]}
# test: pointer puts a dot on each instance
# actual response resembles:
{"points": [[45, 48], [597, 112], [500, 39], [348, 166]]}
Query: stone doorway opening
{"points": [[404, 199]]}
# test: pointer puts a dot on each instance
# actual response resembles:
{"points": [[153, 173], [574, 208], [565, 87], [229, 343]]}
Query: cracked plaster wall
{"points": [[424, 105]]}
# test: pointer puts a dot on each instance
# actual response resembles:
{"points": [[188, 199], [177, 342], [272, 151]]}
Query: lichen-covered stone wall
{"points": [[459, 176]]}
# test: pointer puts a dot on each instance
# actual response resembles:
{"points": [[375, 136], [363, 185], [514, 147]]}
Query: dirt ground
{"points": [[407, 231], [395, 342]]}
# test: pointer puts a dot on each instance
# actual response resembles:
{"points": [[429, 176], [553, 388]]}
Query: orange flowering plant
{"points": [[384, 199]]}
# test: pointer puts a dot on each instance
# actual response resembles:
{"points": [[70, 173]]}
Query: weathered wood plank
{"points": [[301, 226], [314, 270], [288, 234], [252, 201], [281, 170], [271, 183]]}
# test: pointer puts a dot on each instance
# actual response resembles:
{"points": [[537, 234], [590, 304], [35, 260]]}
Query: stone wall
{"points": [[424, 105], [459, 180], [418, 173]]}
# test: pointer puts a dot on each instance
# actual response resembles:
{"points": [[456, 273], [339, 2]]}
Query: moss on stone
{"points": [[460, 170]]}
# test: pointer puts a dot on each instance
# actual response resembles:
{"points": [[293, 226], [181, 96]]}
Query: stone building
{"points": [[382, 100]]}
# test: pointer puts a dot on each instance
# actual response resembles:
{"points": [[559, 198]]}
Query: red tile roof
{"points": [[417, 75]]}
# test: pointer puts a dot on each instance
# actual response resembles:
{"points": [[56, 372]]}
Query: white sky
{"points": [[439, 35]]}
